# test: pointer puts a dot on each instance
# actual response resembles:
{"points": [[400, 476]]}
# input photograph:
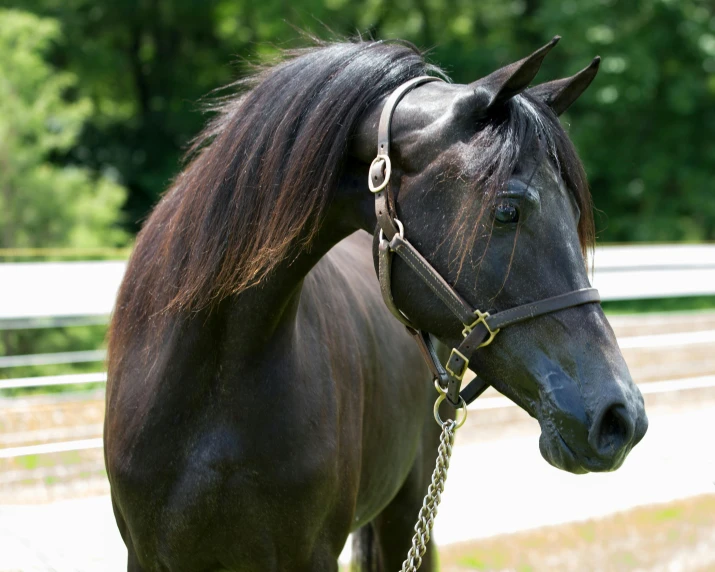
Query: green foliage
{"points": [[48, 199], [644, 129], [51, 340], [684, 304], [42, 201]]}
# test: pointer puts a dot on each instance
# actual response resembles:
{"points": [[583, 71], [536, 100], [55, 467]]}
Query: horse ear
{"points": [[561, 93], [510, 80]]}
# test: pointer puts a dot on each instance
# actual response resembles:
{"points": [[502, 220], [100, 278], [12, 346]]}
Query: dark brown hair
{"points": [[258, 182], [263, 172]]}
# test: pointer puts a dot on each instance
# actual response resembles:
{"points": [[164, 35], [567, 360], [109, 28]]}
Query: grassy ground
{"points": [[675, 536], [684, 304]]}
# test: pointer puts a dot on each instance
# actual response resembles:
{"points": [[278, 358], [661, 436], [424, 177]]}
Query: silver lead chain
{"points": [[428, 512]]}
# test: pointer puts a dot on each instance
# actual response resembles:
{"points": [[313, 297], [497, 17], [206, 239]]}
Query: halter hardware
{"points": [[481, 319], [400, 232], [386, 176], [458, 357], [461, 410], [460, 361]]}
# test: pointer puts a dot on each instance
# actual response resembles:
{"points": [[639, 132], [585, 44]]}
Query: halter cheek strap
{"points": [[381, 168], [480, 328]]}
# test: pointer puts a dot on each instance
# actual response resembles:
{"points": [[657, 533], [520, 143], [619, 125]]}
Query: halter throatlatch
{"points": [[480, 328]]}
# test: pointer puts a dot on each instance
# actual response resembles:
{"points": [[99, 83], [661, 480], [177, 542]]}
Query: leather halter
{"points": [[480, 328]]}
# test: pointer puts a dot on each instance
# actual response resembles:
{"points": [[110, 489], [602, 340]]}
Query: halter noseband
{"points": [[480, 328]]}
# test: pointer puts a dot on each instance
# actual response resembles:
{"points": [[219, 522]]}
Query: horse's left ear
{"points": [[503, 84], [561, 93]]}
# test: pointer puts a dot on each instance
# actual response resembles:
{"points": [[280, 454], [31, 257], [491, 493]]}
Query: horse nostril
{"points": [[614, 431]]}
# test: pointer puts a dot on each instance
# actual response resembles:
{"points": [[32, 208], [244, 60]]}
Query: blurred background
{"points": [[98, 100]]}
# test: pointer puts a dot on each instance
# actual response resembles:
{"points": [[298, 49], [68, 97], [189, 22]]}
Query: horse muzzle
{"points": [[580, 437]]}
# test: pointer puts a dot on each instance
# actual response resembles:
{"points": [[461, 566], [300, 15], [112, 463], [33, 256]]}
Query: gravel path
{"points": [[671, 537]]}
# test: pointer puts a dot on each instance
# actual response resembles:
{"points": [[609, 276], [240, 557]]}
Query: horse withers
{"points": [[262, 402]]}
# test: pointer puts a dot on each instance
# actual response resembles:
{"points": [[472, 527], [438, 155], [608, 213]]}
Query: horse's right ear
{"points": [[503, 84], [561, 93]]}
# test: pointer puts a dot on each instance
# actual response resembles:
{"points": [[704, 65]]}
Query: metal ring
{"points": [[388, 172], [462, 407], [400, 229]]}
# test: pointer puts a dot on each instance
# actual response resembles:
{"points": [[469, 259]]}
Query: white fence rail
{"points": [[37, 290], [653, 387], [56, 358], [32, 293], [38, 295], [49, 380], [655, 271]]}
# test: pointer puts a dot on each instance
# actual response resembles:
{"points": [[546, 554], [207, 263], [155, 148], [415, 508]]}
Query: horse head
{"points": [[490, 190]]}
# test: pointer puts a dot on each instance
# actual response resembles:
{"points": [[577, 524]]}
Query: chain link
{"points": [[428, 512]]}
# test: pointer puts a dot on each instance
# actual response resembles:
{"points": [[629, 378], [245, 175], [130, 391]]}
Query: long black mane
{"points": [[264, 171]]}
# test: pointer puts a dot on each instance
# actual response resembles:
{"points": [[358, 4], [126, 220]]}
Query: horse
{"points": [[262, 402]]}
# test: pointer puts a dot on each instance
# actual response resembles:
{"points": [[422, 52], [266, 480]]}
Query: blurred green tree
{"points": [[644, 129], [47, 199], [43, 203]]}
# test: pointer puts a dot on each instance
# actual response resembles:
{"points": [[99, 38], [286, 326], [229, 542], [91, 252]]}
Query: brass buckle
{"points": [[481, 318], [459, 375]]}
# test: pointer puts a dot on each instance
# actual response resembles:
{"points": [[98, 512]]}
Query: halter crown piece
{"points": [[480, 328]]}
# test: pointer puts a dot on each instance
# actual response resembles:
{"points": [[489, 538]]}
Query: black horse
{"points": [[262, 403]]}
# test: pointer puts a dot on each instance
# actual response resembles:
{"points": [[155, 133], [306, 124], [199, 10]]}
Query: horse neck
{"points": [[263, 311]]}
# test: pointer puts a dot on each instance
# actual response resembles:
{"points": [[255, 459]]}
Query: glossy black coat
{"points": [[256, 433]]}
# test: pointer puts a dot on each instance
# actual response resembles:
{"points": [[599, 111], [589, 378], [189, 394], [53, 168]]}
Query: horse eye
{"points": [[506, 213]]}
